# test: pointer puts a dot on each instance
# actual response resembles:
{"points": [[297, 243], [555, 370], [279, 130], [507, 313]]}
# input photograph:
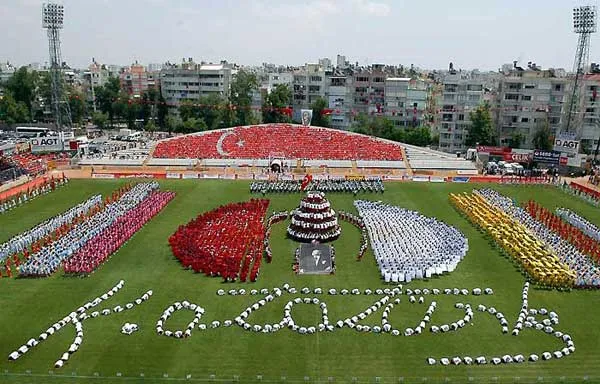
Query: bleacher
{"points": [[428, 159], [293, 141]]}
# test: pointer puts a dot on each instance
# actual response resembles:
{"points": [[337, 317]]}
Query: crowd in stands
{"points": [[296, 142], [35, 164], [571, 233], [409, 246], [226, 242], [580, 222], [9, 171], [17, 200], [374, 185], [49, 258], [586, 273], [522, 245], [96, 251]]}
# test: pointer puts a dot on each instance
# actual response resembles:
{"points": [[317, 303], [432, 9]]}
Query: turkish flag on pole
{"points": [[307, 179]]}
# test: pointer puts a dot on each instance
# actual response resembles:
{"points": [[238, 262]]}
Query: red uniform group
{"points": [[226, 242], [584, 243]]}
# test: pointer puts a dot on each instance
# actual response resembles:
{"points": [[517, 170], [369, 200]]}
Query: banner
{"points": [[355, 177], [514, 157], [460, 179], [548, 157], [437, 179], [306, 116], [492, 150], [140, 175], [46, 144], [103, 176], [420, 178], [566, 144], [466, 172], [173, 175]]}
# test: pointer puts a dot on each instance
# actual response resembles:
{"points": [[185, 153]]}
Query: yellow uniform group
{"points": [[541, 263]]}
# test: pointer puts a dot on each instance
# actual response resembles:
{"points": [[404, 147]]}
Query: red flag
{"points": [[307, 179]]}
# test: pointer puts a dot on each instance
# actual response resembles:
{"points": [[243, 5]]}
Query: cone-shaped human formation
{"points": [[314, 220]]}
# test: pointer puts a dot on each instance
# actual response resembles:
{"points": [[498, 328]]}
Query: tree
{"points": [[516, 140], [173, 123], [12, 111], [210, 109], [100, 119], [242, 87], [78, 107], [22, 86], [193, 125], [278, 99], [162, 111], [150, 126], [481, 131], [420, 136], [319, 118], [107, 99], [542, 138]]}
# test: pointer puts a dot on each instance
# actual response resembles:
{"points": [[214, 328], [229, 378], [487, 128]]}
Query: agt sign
{"points": [[566, 145], [46, 144]]}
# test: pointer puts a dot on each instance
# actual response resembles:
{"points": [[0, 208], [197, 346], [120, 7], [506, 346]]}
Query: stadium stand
{"points": [[296, 142], [424, 158], [9, 170]]}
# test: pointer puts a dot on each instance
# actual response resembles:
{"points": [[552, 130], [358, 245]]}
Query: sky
{"points": [[481, 34]]}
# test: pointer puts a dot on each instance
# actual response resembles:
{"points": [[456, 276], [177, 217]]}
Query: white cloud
{"points": [[373, 8]]}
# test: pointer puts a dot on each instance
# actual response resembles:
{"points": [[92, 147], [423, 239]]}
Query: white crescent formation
{"points": [[220, 142]]}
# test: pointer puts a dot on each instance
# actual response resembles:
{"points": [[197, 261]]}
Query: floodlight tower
{"points": [[584, 24], [52, 21]]}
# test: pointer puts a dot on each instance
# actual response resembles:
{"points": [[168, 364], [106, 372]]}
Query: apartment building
{"points": [[460, 94], [526, 99], [405, 101], [190, 81], [309, 83], [589, 131], [134, 80], [340, 102], [368, 90]]}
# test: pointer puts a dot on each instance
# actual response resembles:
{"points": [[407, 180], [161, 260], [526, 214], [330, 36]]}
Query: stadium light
{"points": [[53, 16], [585, 19]]}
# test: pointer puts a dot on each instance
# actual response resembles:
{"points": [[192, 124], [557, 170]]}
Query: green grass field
{"points": [[29, 306]]}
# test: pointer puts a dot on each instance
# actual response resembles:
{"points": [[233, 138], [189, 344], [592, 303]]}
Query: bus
{"points": [[32, 132]]}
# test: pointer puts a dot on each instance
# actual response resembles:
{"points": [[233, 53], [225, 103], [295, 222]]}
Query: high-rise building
{"points": [[527, 100], [405, 101], [461, 93], [309, 83], [589, 132], [190, 81], [135, 80]]}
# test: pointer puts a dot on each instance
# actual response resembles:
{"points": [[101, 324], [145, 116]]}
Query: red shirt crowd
{"points": [[226, 242], [584, 243]]}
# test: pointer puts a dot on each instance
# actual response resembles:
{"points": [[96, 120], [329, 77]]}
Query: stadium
{"points": [[364, 260], [247, 150]]}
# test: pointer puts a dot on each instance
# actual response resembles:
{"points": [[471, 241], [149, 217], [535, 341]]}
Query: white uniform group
{"points": [[408, 245], [49, 258], [577, 221], [21, 242]]}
